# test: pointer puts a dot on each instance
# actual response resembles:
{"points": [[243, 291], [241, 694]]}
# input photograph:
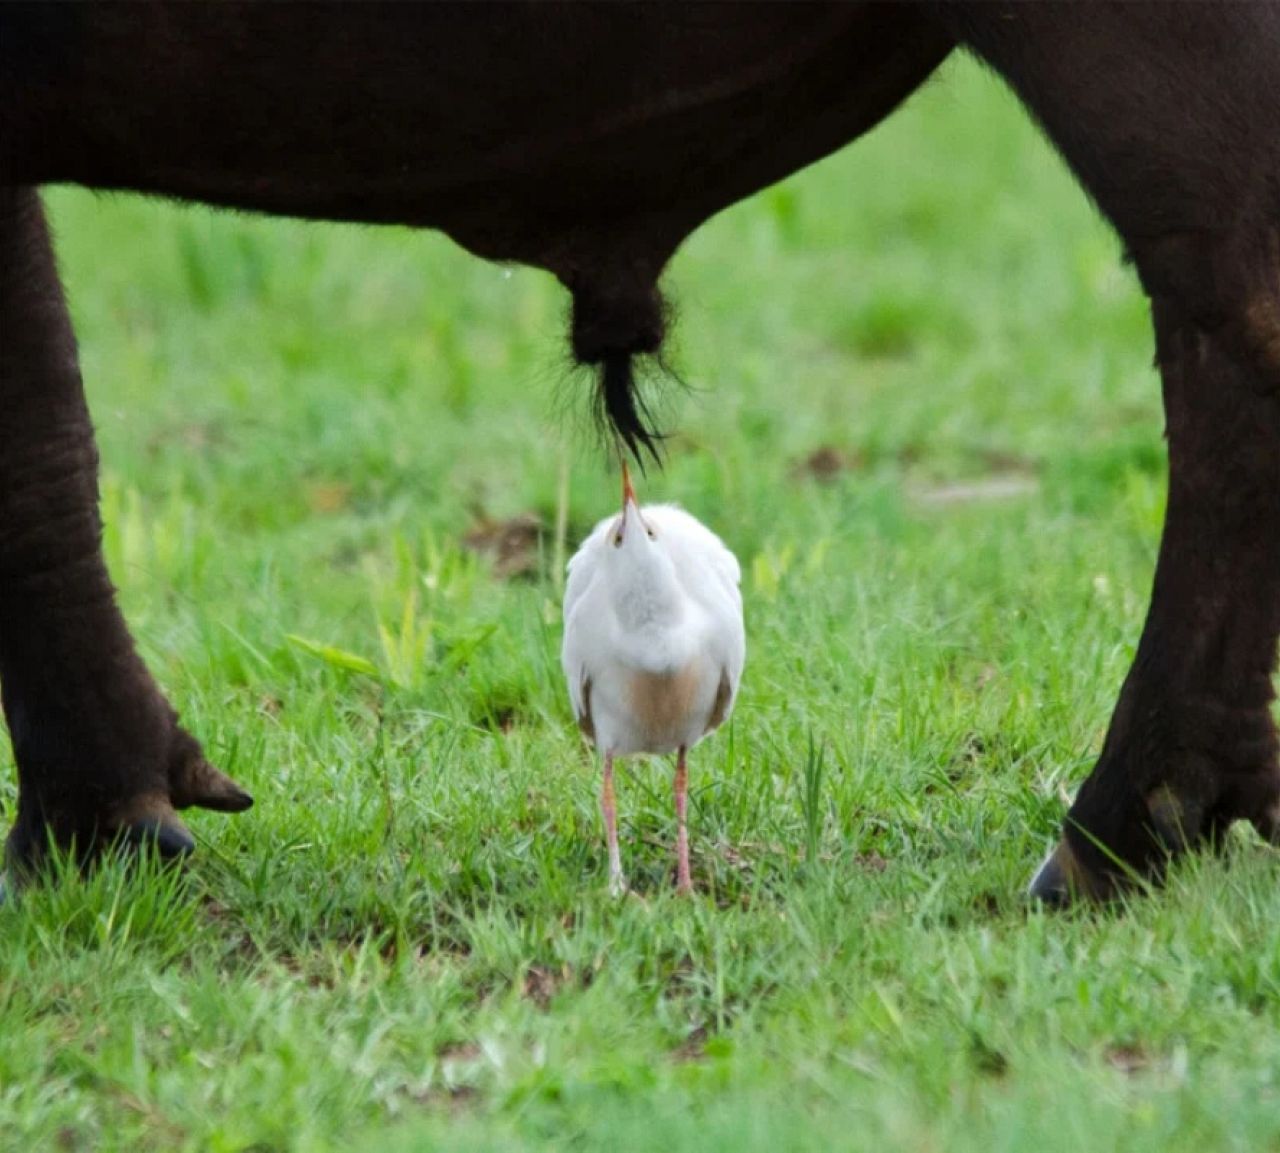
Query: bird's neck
{"points": [[646, 593]]}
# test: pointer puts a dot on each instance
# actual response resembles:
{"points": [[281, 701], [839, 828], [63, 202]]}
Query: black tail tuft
{"points": [[615, 320], [621, 408]]}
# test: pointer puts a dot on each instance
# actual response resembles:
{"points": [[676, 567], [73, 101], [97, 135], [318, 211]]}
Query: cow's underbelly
{"points": [[559, 136]]}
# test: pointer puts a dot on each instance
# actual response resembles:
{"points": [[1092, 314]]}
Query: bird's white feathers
{"points": [[654, 643]]}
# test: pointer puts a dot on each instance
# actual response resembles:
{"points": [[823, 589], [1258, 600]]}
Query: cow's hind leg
{"points": [[1192, 745], [1170, 116], [99, 752]]}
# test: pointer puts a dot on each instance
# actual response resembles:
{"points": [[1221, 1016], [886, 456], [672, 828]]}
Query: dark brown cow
{"points": [[590, 140]]}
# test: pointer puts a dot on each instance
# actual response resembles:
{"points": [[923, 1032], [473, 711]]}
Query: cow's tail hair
{"points": [[615, 322]]}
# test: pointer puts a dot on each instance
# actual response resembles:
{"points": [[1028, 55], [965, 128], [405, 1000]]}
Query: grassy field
{"points": [[924, 417]]}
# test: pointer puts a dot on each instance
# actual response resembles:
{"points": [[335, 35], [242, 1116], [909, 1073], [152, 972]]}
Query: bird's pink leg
{"points": [[608, 806], [684, 883]]}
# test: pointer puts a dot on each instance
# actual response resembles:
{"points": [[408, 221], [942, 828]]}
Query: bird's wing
{"points": [[711, 576], [720, 707], [585, 721], [726, 648], [575, 650], [729, 647], [581, 569], [703, 563]]}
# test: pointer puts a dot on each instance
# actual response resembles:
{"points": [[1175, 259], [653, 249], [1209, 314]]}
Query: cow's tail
{"points": [[617, 319]]}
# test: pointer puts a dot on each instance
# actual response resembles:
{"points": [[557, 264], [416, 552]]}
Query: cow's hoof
{"points": [[1063, 878], [1165, 826], [84, 826], [152, 826], [1051, 885], [166, 834]]}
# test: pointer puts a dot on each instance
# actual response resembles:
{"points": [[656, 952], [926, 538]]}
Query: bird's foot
{"points": [[618, 886]]}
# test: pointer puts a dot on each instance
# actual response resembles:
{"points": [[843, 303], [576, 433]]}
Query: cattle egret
{"points": [[653, 646]]}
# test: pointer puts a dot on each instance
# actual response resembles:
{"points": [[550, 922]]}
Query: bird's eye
{"points": [[652, 535], [617, 540]]}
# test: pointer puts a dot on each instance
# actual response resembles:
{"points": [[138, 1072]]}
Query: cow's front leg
{"points": [[99, 751], [1192, 745]]}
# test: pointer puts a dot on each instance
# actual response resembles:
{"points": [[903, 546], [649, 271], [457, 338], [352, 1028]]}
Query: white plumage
{"points": [[653, 644]]}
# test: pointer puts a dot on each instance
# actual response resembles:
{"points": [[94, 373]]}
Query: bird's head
{"points": [[632, 534]]}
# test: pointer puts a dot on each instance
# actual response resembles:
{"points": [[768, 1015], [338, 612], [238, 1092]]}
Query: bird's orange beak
{"points": [[628, 493], [629, 502]]}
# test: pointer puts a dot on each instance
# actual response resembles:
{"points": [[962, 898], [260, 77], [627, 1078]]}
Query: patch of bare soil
{"points": [[826, 463], [512, 545]]}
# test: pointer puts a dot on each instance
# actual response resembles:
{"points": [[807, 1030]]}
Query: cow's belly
{"points": [[536, 133]]}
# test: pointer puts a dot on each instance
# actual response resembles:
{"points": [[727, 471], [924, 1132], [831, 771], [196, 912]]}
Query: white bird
{"points": [[654, 646]]}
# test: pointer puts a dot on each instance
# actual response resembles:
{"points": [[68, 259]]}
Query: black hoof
{"points": [[1064, 879], [167, 835], [1050, 886], [34, 846]]}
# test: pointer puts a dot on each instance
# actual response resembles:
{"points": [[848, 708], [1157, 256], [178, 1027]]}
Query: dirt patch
{"points": [[541, 984], [1128, 1059], [326, 497], [193, 437], [1006, 486], [459, 1052], [513, 546], [873, 862], [986, 1058], [270, 705], [693, 1048], [999, 460], [455, 1092], [825, 464]]}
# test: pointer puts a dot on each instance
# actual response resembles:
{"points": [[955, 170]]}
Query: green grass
{"points": [[408, 943]]}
